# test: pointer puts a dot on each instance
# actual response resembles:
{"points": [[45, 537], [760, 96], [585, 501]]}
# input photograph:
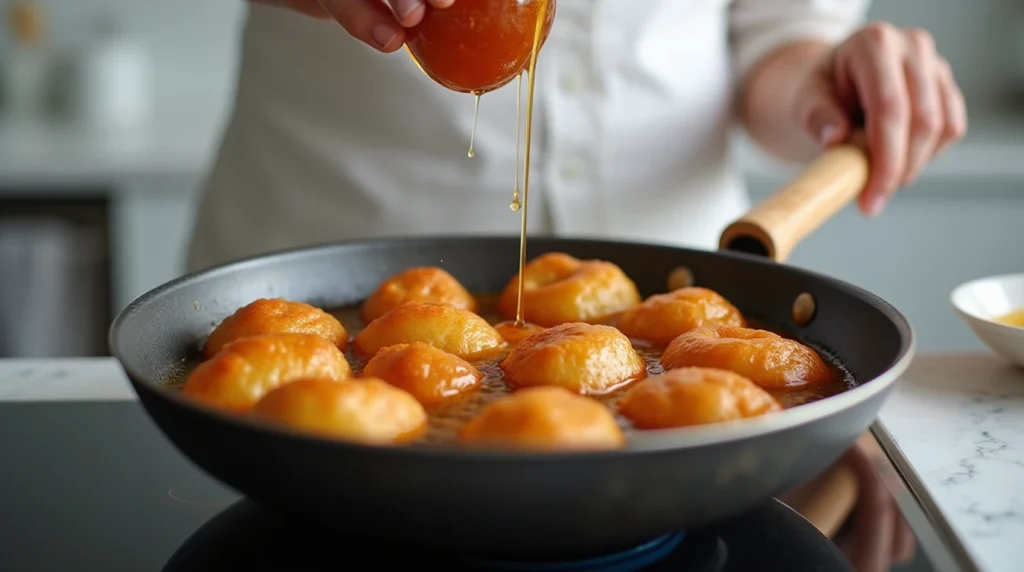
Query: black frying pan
{"points": [[528, 504]]}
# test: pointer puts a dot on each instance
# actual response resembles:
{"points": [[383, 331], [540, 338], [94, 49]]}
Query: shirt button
{"points": [[572, 170], [572, 83]]}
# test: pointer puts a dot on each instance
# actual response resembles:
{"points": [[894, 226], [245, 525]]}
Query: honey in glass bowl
{"points": [[477, 46]]}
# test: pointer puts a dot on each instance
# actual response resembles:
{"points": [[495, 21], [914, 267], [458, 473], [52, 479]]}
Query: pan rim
{"points": [[648, 441]]}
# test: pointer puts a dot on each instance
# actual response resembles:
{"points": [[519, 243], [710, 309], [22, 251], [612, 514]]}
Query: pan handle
{"points": [[775, 226]]}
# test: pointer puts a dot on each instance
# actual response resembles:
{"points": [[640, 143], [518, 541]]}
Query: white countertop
{"points": [[177, 141], [954, 427]]}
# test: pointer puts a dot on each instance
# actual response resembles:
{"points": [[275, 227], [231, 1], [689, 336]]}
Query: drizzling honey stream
{"points": [[515, 205], [476, 48], [476, 117], [531, 77]]}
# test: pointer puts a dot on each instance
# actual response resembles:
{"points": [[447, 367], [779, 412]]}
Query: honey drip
{"points": [[408, 52], [519, 96], [531, 77], [476, 115]]}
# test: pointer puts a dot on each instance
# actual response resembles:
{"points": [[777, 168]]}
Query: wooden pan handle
{"points": [[831, 500], [828, 500], [776, 225]]}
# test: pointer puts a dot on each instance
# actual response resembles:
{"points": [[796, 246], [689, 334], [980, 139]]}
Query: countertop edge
{"points": [[950, 547]]}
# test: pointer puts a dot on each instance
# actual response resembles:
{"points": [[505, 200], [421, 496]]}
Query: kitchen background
{"points": [[98, 184]]}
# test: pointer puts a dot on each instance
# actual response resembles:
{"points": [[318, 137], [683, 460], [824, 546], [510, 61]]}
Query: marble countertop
{"points": [[954, 428]]}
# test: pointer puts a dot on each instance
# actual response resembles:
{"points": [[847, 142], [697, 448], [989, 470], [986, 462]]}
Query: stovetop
{"points": [[95, 486], [248, 537]]}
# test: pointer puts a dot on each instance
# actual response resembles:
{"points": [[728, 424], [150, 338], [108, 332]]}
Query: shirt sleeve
{"points": [[757, 27]]}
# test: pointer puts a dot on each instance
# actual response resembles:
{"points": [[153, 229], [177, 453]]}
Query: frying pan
{"points": [[513, 504]]}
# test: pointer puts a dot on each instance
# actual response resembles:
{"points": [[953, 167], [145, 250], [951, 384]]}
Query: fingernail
{"points": [[383, 35], [875, 205], [826, 133], [404, 8]]}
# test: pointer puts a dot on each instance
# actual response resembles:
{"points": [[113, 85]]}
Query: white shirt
{"points": [[331, 140]]}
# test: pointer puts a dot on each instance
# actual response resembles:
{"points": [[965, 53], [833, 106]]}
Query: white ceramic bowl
{"points": [[980, 302]]}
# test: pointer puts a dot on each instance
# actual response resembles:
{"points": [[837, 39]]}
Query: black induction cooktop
{"points": [[95, 486]]}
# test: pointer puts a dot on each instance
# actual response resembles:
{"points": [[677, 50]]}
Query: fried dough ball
{"points": [[275, 316], [429, 374], [694, 396], [421, 284], [245, 370], [559, 289], [583, 358], [458, 332], [367, 410], [513, 334], [545, 418], [766, 358], [662, 317]]}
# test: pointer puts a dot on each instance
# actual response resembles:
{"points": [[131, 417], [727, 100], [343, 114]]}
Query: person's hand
{"points": [[379, 24], [876, 536], [910, 103]]}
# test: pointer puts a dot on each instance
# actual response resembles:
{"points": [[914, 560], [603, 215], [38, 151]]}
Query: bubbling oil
{"points": [[446, 419]]}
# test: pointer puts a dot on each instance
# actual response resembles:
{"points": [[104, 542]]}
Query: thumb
{"points": [[371, 21], [825, 120]]}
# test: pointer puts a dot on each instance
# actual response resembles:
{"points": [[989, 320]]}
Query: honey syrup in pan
{"points": [[447, 419]]}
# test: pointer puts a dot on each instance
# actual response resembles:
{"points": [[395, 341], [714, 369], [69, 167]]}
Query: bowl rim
{"points": [[975, 318]]}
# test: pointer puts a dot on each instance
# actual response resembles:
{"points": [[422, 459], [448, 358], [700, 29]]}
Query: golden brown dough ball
{"points": [[694, 396], [427, 373], [513, 334], [245, 370], [458, 332], [275, 316], [661, 318], [583, 358], [421, 284], [558, 288], [766, 358], [545, 418], [367, 410]]}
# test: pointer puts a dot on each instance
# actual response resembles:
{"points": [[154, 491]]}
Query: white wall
{"points": [[976, 36], [193, 42]]}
